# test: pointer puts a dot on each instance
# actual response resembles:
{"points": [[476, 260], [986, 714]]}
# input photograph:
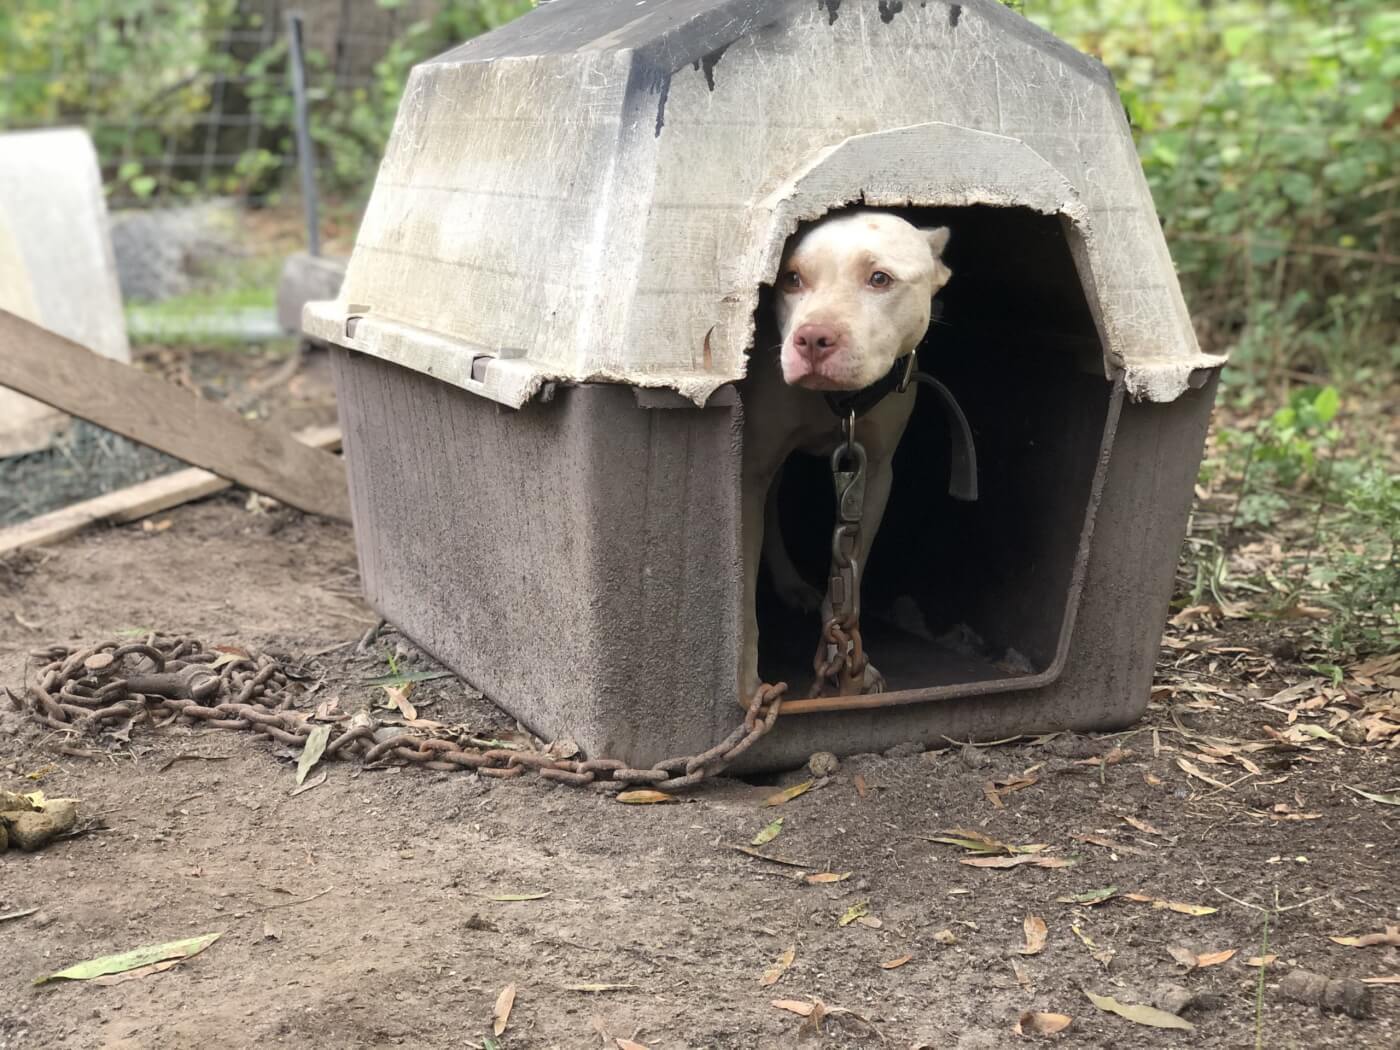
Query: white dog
{"points": [[854, 296]]}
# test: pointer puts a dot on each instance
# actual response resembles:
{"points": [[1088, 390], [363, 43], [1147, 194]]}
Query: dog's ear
{"points": [[937, 241]]}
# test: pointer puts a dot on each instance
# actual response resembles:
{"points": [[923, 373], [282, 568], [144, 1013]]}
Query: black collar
{"points": [[862, 401]]}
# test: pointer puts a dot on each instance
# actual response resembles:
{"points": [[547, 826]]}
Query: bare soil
{"points": [[358, 914]]}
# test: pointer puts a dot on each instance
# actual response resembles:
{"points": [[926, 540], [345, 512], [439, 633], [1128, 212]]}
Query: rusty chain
{"points": [[840, 663], [164, 680]]}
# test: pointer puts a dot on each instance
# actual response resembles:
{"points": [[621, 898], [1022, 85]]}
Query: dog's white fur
{"points": [[843, 326]]}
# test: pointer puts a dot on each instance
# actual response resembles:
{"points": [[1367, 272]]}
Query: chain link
{"points": [[163, 680]]}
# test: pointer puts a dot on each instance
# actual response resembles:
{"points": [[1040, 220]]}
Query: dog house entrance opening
{"points": [[970, 594]]}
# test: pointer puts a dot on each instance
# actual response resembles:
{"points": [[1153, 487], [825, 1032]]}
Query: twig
{"points": [[288, 904]]}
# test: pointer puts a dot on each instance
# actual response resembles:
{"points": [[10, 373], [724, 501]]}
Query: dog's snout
{"points": [[815, 341]]}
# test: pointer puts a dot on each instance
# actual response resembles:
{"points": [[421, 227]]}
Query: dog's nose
{"points": [[815, 341]]}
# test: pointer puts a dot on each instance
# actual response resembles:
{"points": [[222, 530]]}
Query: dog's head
{"points": [[854, 294]]}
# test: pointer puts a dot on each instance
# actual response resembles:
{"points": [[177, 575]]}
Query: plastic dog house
{"points": [[557, 290]]}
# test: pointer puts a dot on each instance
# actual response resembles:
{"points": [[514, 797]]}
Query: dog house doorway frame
{"points": [[938, 165]]}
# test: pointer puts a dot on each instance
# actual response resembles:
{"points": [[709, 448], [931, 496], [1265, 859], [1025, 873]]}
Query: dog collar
{"points": [[859, 402]]}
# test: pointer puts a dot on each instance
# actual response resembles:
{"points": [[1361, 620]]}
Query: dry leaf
{"points": [[1023, 977], [895, 964], [793, 1006], [751, 852], [597, 987], [768, 834], [1012, 862], [1184, 957], [1393, 978], [1151, 779], [1101, 955], [870, 922], [1089, 897], [821, 878], [645, 797], [788, 794], [1387, 800], [1147, 1015], [1391, 936], [1036, 1023], [1036, 932], [1194, 771], [859, 782], [995, 789], [1216, 958], [946, 936], [397, 697], [773, 973], [854, 912], [500, 1016], [1143, 826], [131, 975], [1108, 844], [1260, 960], [1109, 758], [628, 1044], [1177, 906], [504, 897]]}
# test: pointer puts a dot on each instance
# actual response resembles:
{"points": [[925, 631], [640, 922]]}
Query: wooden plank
{"points": [[136, 501], [61, 373]]}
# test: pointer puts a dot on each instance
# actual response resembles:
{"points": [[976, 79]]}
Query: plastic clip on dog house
{"points": [[580, 557]]}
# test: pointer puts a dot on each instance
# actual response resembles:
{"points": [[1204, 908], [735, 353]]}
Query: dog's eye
{"points": [[879, 279], [791, 280]]}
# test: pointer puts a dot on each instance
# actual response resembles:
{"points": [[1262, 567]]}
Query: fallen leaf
{"points": [[1151, 779], [506, 897], [773, 973], [946, 936], [1109, 758], [1177, 906], [1036, 932], [859, 781], [750, 851], [645, 797], [1089, 897], [1391, 936], [628, 1044], [768, 834], [1143, 826], [1184, 957], [823, 877], [1260, 960], [995, 789], [1146, 1015], [139, 972], [17, 914], [397, 699], [1034, 1022], [315, 781], [1194, 771], [1108, 844], [1101, 955], [134, 959], [1023, 977], [1216, 958], [1387, 800], [854, 912], [870, 922], [793, 1006], [788, 794], [500, 1016], [312, 750], [895, 964], [1393, 978], [977, 842], [1012, 862], [596, 987]]}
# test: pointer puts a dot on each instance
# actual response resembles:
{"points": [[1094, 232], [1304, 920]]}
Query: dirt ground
{"points": [[359, 913]]}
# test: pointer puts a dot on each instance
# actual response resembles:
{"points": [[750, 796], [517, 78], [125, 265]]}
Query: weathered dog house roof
{"points": [[596, 191]]}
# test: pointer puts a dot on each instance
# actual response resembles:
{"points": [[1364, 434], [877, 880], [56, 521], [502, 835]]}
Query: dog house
{"points": [[560, 284]]}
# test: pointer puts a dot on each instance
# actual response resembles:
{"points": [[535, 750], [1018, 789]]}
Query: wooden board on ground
{"points": [[136, 501], [61, 373]]}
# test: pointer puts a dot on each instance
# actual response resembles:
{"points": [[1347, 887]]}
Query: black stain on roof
{"points": [[661, 105], [708, 63], [890, 8], [832, 7], [955, 15]]}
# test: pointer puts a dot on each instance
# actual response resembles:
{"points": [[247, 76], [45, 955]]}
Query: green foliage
{"points": [[1262, 128]]}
